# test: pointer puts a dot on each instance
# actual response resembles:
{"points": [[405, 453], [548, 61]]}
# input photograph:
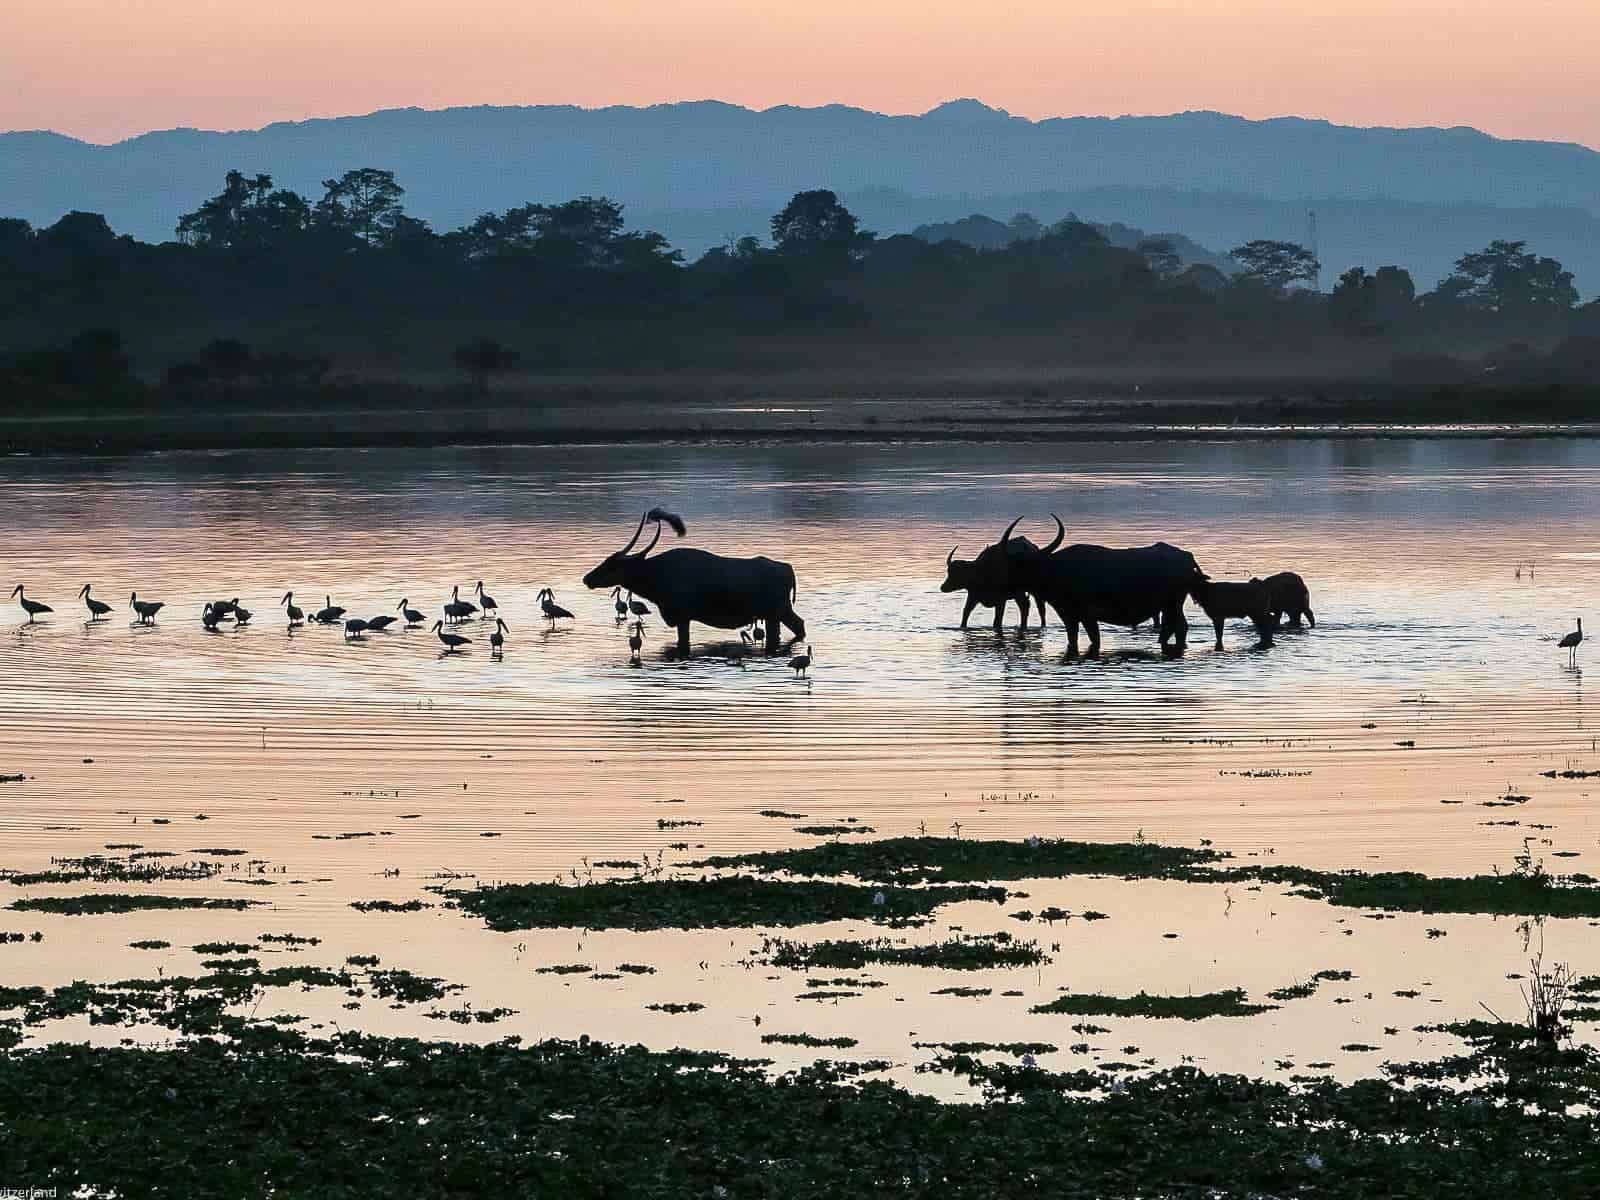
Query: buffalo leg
{"points": [[999, 614], [972, 603], [1022, 603], [1072, 634], [683, 640], [1312, 618], [1092, 628], [1173, 622], [788, 617], [1217, 621]]}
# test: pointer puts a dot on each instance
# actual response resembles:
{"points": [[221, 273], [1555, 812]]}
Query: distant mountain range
{"points": [[703, 171]]}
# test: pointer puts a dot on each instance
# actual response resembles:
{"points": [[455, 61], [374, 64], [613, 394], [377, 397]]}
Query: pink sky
{"points": [[106, 69]]}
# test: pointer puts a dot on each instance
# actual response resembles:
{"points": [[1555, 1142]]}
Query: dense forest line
{"points": [[262, 285]]}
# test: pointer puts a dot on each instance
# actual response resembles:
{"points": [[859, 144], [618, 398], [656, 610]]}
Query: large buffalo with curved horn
{"points": [[1092, 585], [994, 577], [689, 585]]}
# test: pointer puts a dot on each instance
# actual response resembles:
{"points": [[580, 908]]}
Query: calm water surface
{"points": [[1439, 572]]}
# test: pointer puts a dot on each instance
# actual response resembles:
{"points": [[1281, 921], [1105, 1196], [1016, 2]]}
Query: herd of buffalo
{"points": [[1093, 585], [1088, 586]]}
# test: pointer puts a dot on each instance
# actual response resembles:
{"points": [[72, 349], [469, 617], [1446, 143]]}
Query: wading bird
{"points": [[329, 612], [497, 639], [412, 616], [223, 607], [97, 608], [297, 615], [379, 624], [553, 612], [801, 663], [459, 609], [638, 607], [354, 628], [486, 601], [147, 609], [210, 617], [636, 642], [32, 607], [452, 641], [241, 616], [619, 604], [1571, 642]]}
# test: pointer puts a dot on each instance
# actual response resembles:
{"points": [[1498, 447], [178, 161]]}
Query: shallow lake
{"points": [[1441, 574]]}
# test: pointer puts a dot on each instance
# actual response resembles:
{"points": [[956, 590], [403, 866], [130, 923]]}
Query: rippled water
{"points": [[1433, 629]]}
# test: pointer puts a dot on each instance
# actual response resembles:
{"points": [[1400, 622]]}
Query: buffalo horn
{"points": [[1006, 536], [1061, 533], [951, 558], [636, 533]]}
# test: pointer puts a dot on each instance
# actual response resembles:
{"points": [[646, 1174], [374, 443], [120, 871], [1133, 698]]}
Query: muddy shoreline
{"points": [[882, 422]]}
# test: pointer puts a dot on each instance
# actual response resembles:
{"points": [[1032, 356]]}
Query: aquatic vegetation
{"points": [[968, 992], [1230, 1003], [1512, 894], [673, 1007], [719, 902], [390, 906], [107, 903], [963, 952], [289, 939], [361, 960], [223, 947], [98, 868], [1015, 1049], [1299, 991], [937, 859], [564, 969], [781, 815], [231, 964], [806, 1039], [467, 1015], [636, 969], [150, 944], [409, 988], [845, 981], [831, 830], [395, 1116]]}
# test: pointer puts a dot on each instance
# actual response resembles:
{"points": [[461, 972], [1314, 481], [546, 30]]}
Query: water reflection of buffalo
{"points": [[1288, 596], [1094, 585], [994, 577], [689, 585], [1223, 602]]}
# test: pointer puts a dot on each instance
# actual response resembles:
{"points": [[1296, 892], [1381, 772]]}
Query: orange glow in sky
{"points": [[106, 69]]}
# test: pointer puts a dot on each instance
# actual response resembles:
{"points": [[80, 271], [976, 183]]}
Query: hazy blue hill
{"points": [[703, 170]]}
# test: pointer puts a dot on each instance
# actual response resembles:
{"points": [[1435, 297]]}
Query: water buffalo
{"points": [[692, 585], [993, 578], [1248, 601], [1093, 585], [1288, 596]]}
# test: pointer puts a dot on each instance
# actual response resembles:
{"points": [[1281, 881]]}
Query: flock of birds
{"points": [[456, 611]]}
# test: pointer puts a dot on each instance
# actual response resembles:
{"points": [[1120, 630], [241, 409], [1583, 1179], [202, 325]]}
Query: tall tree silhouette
{"points": [[365, 203]]}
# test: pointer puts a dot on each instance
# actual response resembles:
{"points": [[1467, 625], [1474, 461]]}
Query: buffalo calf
{"points": [[1249, 601]]}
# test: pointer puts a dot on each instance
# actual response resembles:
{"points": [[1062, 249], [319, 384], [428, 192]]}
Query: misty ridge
{"points": [[706, 173], [263, 294]]}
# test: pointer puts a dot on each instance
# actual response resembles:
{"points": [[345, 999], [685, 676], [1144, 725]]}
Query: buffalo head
{"points": [[613, 572], [958, 573]]}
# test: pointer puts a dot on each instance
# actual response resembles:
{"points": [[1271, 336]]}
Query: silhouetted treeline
{"points": [[264, 285]]}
